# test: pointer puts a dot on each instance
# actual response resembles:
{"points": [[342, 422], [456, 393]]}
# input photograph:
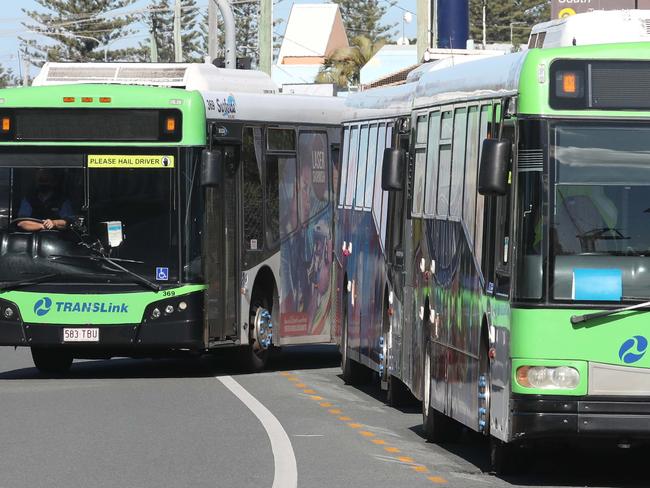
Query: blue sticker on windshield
{"points": [[597, 284], [162, 274]]}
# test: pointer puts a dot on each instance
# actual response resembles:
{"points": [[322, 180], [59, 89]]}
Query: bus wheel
{"points": [[505, 458], [256, 354], [353, 373], [437, 426], [51, 361], [398, 394]]}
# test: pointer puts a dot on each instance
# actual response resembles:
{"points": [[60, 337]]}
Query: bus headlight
{"points": [[549, 378]]}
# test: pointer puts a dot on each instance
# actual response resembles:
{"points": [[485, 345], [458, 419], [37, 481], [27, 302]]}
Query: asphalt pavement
{"points": [[176, 423]]}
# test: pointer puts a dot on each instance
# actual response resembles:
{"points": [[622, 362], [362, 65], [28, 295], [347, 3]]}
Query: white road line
{"points": [[284, 459]]}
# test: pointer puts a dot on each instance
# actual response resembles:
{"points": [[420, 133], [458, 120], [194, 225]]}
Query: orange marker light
{"points": [[86, 99], [6, 124], [104, 99], [569, 83], [170, 124], [68, 99]]}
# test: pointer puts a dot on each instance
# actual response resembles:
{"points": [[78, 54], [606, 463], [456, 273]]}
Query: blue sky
{"points": [[12, 15]]}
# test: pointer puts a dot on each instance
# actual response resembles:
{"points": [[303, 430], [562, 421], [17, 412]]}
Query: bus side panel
{"points": [[306, 285], [456, 299]]}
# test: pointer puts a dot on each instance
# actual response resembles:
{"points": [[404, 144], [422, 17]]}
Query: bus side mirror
{"points": [[211, 167], [493, 173], [393, 169]]}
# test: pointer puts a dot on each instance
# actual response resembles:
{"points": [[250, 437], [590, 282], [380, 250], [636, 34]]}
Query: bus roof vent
{"points": [[190, 76]]}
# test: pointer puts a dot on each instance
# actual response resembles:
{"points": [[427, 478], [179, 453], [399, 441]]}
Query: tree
{"points": [[7, 77], [81, 30], [160, 21], [502, 15], [343, 67], [363, 18]]}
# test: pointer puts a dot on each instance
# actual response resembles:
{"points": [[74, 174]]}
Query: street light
{"points": [[512, 24]]}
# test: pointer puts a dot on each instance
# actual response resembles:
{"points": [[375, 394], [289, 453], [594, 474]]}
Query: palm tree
{"points": [[344, 65]]}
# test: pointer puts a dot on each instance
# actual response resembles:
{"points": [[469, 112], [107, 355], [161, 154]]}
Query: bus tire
{"points": [[398, 394], [51, 361], [505, 459], [255, 355], [437, 427], [353, 373]]}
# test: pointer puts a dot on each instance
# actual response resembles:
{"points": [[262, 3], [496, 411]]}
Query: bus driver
{"points": [[45, 203]]}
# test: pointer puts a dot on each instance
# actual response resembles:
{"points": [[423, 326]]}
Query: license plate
{"points": [[81, 335]]}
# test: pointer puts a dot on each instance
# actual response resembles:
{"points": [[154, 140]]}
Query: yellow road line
{"points": [[345, 419], [365, 433], [406, 459], [354, 425], [437, 479], [391, 449], [420, 469], [334, 411], [309, 392], [379, 442], [325, 404], [300, 385]]}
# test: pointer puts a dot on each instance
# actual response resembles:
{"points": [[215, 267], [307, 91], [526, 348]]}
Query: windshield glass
{"points": [[55, 205], [600, 228]]}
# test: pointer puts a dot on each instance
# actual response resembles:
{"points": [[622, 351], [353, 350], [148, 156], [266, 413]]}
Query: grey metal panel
{"points": [[499, 76], [608, 379]]}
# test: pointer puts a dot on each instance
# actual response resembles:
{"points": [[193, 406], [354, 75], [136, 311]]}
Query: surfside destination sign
{"points": [[564, 8]]}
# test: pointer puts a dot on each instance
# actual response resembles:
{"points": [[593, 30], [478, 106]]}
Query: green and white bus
{"points": [[140, 220], [509, 232]]}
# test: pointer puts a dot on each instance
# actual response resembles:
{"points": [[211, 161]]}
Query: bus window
{"points": [[378, 193], [344, 166], [5, 207], [432, 164], [384, 208], [370, 172], [458, 163], [361, 170], [350, 185], [421, 131], [480, 200], [314, 177], [252, 192], [418, 182], [192, 215], [282, 201], [281, 139], [444, 157], [471, 171]]}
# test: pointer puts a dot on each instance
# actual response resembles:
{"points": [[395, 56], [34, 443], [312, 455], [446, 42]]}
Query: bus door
{"points": [[220, 250], [395, 252]]}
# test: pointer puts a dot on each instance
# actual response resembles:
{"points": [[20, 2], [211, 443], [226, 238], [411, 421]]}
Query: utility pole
{"points": [[212, 30], [484, 23], [178, 38], [265, 36], [153, 47], [25, 63]]}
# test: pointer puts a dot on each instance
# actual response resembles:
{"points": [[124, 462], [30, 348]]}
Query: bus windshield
{"points": [[600, 218], [54, 217]]}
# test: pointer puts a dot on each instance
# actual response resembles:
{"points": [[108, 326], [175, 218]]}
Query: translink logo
{"points": [[44, 305]]}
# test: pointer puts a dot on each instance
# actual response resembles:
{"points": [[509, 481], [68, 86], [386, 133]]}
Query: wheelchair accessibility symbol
{"points": [[162, 274]]}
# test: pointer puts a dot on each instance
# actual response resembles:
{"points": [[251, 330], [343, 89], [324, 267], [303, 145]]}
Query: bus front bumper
{"points": [[539, 417]]}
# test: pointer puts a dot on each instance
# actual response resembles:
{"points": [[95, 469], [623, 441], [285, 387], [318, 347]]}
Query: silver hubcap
{"points": [[263, 328]]}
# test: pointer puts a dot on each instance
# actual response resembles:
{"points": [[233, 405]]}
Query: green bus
{"points": [[507, 269], [144, 220]]}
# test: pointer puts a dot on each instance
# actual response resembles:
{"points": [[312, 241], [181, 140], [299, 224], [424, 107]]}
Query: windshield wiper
{"points": [[113, 262], [579, 319], [11, 285]]}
